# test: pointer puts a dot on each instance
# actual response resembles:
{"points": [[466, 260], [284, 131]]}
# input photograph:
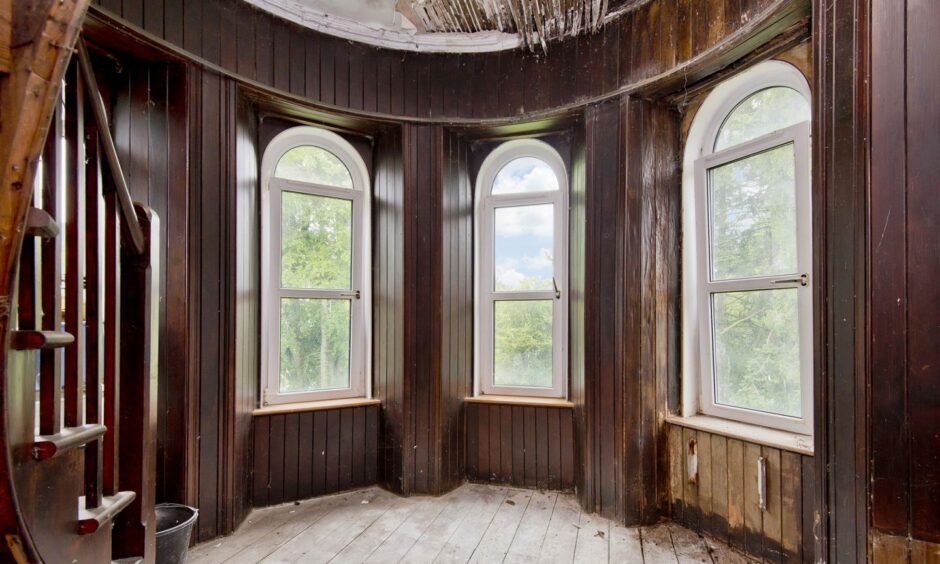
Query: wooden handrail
{"points": [[91, 519], [40, 340], [49, 446], [104, 131], [40, 224]]}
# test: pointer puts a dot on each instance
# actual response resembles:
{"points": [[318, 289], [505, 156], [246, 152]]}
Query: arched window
{"points": [[521, 274], [747, 256], [315, 280]]}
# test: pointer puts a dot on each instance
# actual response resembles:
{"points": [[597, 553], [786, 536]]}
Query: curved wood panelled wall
{"points": [[658, 46], [203, 77]]}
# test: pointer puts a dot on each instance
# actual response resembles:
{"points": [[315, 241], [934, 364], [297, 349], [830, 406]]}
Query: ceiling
{"points": [[451, 25]]}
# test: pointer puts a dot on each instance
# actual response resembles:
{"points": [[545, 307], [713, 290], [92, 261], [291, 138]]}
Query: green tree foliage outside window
{"points": [[752, 215], [316, 253]]}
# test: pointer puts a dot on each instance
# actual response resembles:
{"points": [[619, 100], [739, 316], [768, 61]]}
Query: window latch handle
{"points": [[557, 291], [357, 294], [803, 280]]}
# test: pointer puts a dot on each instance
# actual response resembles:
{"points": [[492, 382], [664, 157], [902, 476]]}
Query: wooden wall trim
{"points": [[654, 49], [840, 210]]}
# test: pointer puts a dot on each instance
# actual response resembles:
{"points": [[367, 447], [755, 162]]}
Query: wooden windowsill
{"points": [[793, 442], [314, 406], [521, 400]]}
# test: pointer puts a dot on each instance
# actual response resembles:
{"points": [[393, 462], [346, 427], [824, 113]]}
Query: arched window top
{"points": [[763, 112], [315, 165], [522, 167], [525, 175], [768, 97], [314, 156]]}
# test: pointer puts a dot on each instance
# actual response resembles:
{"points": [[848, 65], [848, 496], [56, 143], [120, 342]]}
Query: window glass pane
{"points": [[762, 113], [524, 248], [752, 216], [523, 343], [316, 241], [524, 175], [314, 165], [757, 350], [314, 344]]}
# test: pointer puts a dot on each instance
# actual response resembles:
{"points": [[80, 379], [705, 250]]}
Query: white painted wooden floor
{"points": [[474, 523]]}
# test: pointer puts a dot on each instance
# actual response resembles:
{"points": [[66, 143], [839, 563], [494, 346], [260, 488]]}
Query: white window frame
{"points": [[359, 294], [698, 288], [484, 275]]}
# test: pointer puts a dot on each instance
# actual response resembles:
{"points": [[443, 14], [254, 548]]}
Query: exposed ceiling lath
{"points": [[536, 21]]}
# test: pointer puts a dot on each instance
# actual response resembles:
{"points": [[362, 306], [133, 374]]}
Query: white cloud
{"points": [[523, 176], [543, 260], [524, 220], [508, 278]]}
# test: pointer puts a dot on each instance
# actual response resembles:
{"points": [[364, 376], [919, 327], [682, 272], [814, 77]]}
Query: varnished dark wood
{"points": [[134, 528], [904, 305], [307, 454], [841, 110], [421, 86], [525, 446]]}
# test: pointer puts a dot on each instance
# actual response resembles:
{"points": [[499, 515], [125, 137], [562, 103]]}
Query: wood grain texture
{"points": [[524, 446], [303, 455], [652, 37], [723, 501]]}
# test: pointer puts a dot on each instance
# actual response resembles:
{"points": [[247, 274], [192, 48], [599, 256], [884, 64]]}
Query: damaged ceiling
{"points": [[536, 22], [451, 25]]}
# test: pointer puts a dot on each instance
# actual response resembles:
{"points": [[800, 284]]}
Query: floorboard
{"points": [[474, 523]]}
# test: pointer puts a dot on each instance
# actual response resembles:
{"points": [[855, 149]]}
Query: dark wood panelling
{"points": [[524, 446], [388, 308], [904, 300], [629, 309], [721, 499], [645, 45], [840, 267], [306, 454], [456, 308], [422, 149]]}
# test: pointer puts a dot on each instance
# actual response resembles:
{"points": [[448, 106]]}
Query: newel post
{"points": [[135, 528]]}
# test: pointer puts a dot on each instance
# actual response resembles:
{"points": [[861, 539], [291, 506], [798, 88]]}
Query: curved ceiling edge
{"points": [[356, 82]]}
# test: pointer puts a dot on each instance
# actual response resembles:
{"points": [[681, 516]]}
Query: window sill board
{"points": [[521, 400], [793, 442], [314, 406]]}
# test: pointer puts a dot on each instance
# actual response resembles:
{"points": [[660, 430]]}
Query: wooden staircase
{"points": [[78, 310]]}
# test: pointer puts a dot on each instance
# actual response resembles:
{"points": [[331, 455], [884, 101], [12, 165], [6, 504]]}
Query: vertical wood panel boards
{"points": [[523, 446], [904, 303], [841, 124], [150, 121], [307, 454], [247, 297], [388, 306], [644, 42], [631, 190], [456, 350], [422, 149], [722, 500]]}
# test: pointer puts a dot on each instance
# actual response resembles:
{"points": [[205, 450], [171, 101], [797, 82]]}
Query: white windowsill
{"points": [[793, 442], [301, 407]]}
